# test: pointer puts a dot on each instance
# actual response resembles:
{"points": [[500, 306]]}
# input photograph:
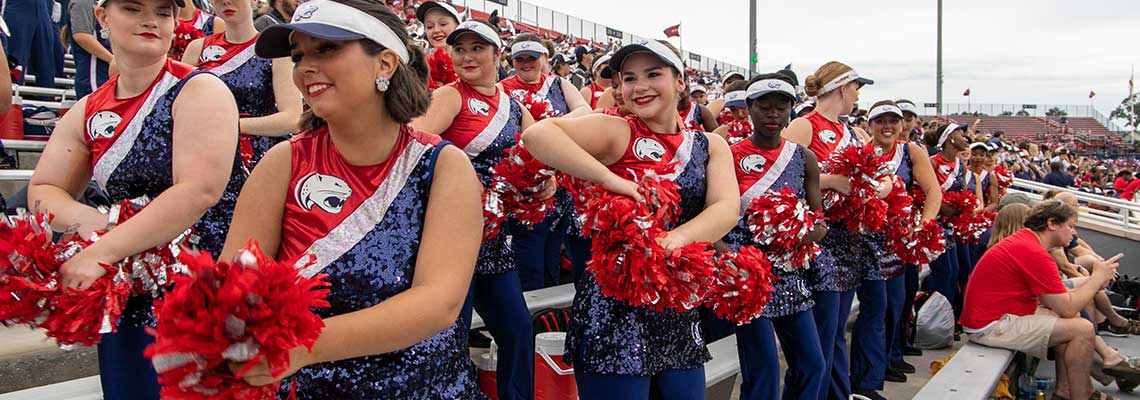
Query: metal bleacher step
{"points": [[60, 82]]}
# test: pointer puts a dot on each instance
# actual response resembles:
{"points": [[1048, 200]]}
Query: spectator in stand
{"points": [[1057, 175], [280, 12], [1130, 190], [33, 41], [89, 46], [581, 75], [1017, 301], [1123, 178]]}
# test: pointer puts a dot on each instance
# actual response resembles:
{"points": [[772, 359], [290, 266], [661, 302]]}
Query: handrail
{"points": [[1123, 215]]}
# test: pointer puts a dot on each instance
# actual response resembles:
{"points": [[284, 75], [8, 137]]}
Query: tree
{"points": [[1006, 113], [1023, 113], [1056, 112], [1129, 111]]}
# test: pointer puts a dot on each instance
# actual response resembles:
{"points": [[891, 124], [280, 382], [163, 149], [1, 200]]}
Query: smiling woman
{"points": [[161, 130]]}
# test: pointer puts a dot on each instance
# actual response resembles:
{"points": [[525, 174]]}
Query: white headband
{"points": [[337, 15], [946, 132], [765, 86], [839, 81], [883, 109], [528, 46]]}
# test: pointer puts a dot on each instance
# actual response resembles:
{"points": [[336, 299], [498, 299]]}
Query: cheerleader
{"points": [[619, 351], [881, 293], [736, 127], [597, 87], [764, 163], [538, 248], [268, 102], [390, 213], [192, 24], [157, 129], [912, 128], [844, 260], [949, 140], [717, 106], [439, 19], [694, 115], [481, 118]]}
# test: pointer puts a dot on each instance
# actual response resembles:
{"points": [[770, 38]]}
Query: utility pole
{"points": [[752, 57], [939, 71]]}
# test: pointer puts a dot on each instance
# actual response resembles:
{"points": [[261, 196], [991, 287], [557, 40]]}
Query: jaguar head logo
{"points": [[103, 124], [752, 163], [944, 169], [477, 106], [305, 12], [326, 192], [648, 149], [828, 136], [213, 53]]}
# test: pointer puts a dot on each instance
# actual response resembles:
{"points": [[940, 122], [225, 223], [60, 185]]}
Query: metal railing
{"points": [[1117, 216], [545, 18]]}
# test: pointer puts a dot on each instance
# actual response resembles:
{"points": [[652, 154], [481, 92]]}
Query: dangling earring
{"points": [[382, 84], [104, 32]]}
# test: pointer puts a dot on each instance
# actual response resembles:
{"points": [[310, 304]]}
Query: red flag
{"points": [[966, 93], [1091, 94], [673, 31]]}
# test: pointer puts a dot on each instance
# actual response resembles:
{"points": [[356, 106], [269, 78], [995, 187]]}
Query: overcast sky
{"points": [[1005, 51]]}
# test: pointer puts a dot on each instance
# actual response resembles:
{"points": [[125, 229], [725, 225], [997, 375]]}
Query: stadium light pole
{"points": [[751, 38], [938, 78]]}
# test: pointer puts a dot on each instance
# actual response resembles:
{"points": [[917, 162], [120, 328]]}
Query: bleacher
{"points": [[1084, 133]]}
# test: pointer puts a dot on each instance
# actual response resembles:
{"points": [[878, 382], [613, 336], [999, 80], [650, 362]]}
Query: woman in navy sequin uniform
{"points": [[619, 351], [268, 102], [949, 140], [390, 214], [841, 265], [477, 115], [873, 358], [538, 249], [764, 163], [157, 129]]}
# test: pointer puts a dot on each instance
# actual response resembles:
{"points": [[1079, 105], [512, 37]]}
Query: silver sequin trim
{"points": [[234, 62], [761, 186], [123, 144]]}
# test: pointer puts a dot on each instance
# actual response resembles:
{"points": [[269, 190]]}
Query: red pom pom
{"points": [[920, 245], [441, 68], [493, 214], [725, 117], [858, 210], [539, 106], [1003, 177], [28, 276], [739, 130], [245, 311], [779, 221], [83, 316], [967, 225], [743, 285], [517, 179]]}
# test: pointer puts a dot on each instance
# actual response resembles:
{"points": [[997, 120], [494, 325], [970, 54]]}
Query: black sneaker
{"points": [[870, 394], [903, 367], [912, 351], [895, 376]]}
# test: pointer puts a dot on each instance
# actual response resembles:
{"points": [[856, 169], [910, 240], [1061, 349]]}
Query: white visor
{"points": [[329, 20], [732, 74], [533, 49], [697, 88], [650, 46], [946, 133], [908, 107], [847, 77], [763, 87], [884, 109], [485, 32], [736, 99], [979, 145]]}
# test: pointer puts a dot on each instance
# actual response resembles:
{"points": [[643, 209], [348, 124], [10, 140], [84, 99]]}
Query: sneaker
{"points": [[894, 376], [903, 367], [870, 394]]}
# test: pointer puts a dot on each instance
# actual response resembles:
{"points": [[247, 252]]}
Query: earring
{"points": [[104, 32], [382, 84]]}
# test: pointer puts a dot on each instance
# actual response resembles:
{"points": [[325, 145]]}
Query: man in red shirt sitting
{"points": [[1015, 299]]}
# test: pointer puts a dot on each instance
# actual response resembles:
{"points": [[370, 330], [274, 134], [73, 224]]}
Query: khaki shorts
{"points": [[1028, 334]]}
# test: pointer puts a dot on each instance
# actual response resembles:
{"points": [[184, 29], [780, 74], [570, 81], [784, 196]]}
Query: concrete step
{"points": [[30, 359]]}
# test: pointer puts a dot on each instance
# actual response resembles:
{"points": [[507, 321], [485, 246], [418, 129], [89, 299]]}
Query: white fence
{"points": [[1100, 213]]}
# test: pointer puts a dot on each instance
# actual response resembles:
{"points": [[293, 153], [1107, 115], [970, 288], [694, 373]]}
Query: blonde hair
{"points": [[826, 73], [1009, 220]]}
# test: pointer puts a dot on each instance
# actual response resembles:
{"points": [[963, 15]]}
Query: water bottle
{"points": [[1039, 396], [1025, 387]]}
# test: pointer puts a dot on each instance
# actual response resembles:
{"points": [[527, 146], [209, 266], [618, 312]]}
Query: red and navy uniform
{"points": [[828, 136], [250, 79], [691, 117], [596, 92], [201, 25], [613, 338], [364, 226], [548, 88], [131, 144]]}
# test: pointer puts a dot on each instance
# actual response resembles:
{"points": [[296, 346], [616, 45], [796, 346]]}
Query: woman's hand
{"points": [[259, 375], [81, 271], [548, 188], [817, 233], [948, 211], [839, 183], [622, 186], [673, 241], [886, 185]]}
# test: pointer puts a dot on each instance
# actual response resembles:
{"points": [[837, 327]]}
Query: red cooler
{"points": [[553, 379]]}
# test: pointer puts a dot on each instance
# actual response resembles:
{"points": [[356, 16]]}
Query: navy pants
{"points": [[123, 370], [910, 275], [965, 268], [944, 274], [676, 384], [831, 311], [499, 300], [538, 252], [34, 41], [897, 317], [760, 364], [869, 337], [578, 251]]}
